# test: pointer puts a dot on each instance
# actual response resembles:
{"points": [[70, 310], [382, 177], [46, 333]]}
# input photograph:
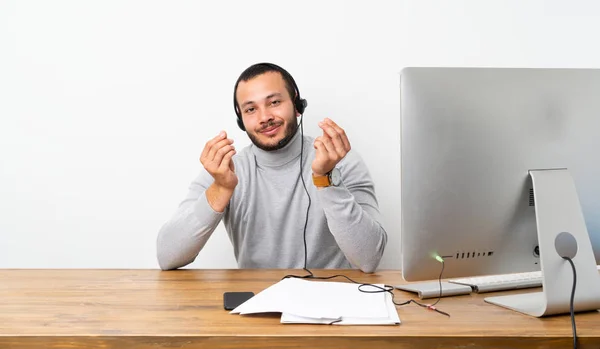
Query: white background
{"points": [[105, 106]]}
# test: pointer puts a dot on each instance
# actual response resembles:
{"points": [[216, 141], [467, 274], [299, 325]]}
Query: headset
{"points": [[299, 102]]}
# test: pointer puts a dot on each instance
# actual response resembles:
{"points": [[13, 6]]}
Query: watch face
{"points": [[336, 176]]}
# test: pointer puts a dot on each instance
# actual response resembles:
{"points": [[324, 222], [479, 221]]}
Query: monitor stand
{"points": [[561, 231]]}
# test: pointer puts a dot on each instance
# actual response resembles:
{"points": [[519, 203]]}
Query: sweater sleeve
{"points": [[182, 237], [353, 217]]}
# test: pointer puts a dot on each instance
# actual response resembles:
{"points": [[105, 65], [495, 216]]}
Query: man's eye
{"points": [[249, 110], [275, 102]]}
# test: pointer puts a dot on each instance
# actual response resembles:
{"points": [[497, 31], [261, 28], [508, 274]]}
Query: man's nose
{"points": [[264, 115]]}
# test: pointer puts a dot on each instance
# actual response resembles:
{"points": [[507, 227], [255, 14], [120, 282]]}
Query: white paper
{"points": [[322, 302], [271, 300], [391, 319]]}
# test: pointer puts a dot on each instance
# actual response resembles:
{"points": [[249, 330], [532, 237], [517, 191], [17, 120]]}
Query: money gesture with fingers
{"points": [[216, 159], [331, 147]]}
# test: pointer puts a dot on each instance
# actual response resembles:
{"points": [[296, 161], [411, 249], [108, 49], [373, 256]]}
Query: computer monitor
{"points": [[495, 164]]}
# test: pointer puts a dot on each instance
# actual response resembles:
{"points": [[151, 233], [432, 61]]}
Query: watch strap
{"points": [[321, 181]]}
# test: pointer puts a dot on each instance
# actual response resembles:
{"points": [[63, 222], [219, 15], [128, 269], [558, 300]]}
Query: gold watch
{"points": [[331, 178]]}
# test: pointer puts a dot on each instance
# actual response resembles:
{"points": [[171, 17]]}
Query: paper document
{"points": [[323, 302]]}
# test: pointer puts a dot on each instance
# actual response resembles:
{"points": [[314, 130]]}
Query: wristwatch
{"points": [[331, 178]]}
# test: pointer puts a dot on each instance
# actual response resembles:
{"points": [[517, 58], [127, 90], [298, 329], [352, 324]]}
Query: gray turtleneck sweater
{"points": [[266, 215]]}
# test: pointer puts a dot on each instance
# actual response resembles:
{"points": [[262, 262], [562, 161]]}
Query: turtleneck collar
{"points": [[279, 157]]}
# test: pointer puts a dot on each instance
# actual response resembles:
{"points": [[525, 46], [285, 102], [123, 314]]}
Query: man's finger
{"points": [[336, 138], [342, 134], [329, 147], [319, 145], [212, 153], [220, 154], [226, 161], [210, 143], [318, 140], [231, 166]]}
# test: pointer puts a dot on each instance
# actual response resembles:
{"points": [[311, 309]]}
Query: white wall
{"points": [[105, 105]]}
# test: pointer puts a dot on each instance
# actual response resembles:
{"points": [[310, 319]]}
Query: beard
{"points": [[290, 130]]}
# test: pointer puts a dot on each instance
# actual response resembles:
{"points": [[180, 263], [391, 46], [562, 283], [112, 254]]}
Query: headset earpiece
{"points": [[300, 104], [241, 124]]}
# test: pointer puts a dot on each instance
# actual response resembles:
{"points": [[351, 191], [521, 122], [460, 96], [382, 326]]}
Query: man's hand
{"points": [[216, 159], [331, 147]]}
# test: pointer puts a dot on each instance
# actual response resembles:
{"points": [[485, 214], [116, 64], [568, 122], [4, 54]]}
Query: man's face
{"points": [[267, 110]]}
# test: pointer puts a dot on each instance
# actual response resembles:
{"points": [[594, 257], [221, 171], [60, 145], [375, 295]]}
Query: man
{"points": [[287, 200]]}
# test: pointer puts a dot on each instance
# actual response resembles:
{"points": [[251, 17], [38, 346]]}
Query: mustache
{"points": [[269, 124]]}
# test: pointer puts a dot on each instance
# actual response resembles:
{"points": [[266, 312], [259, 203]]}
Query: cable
{"points": [[305, 190], [441, 260], [379, 289], [572, 301], [310, 274]]}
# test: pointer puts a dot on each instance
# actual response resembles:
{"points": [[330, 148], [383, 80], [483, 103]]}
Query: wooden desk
{"points": [[184, 309]]}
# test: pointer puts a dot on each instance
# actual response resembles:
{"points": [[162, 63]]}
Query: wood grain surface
{"points": [[77, 308]]}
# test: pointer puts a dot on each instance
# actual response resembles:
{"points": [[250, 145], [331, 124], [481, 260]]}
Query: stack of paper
{"points": [[323, 302]]}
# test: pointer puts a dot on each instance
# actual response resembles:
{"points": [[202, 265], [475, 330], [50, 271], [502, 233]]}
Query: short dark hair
{"points": [[261, 68]]}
